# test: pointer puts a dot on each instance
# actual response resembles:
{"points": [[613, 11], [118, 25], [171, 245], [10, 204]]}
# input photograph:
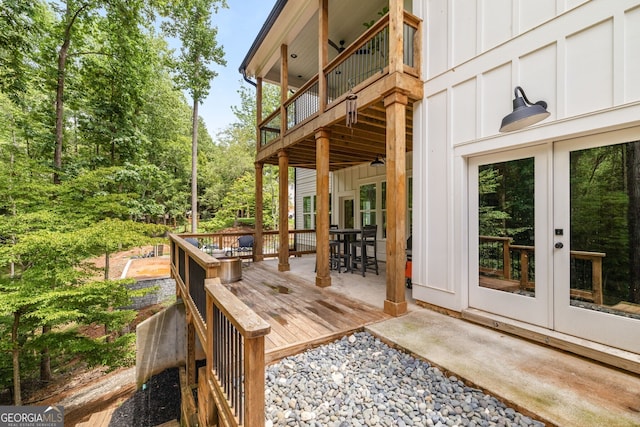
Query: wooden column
{"points": [[258, 113], [395, 105], [284, 88], [323, 52], [323, 279], [396, 27], [283, 224], [258, 252]]}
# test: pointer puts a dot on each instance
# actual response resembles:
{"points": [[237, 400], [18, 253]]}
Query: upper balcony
{"points": [[368, 54]]}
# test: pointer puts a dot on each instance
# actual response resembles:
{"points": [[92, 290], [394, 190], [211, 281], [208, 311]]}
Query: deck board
{"points": [[301, 314]]}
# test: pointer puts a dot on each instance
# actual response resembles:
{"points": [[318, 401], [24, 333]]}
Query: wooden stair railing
{"points": [[231, 334]]}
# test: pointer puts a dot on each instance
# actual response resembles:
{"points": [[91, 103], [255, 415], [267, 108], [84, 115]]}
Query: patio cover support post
{"points": [[283, 198], [323, 279], [258, 113], [258, 251], [395, 104], [284, 87], [323, 53]]}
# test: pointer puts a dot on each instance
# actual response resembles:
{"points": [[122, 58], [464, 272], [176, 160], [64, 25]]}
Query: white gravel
{"points": [[360, 381]]}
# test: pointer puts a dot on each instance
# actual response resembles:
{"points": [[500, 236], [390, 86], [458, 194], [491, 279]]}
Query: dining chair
{"points": [[367, 256], [335, 257]]}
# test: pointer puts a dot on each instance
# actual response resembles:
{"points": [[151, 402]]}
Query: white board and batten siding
{"points": [[581, 57]]}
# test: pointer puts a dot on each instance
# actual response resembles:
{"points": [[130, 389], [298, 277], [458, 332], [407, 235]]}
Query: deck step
{"points": [[99, 419]]}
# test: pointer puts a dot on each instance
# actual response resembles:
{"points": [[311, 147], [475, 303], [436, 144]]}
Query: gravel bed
{"points": [[360, 381]]}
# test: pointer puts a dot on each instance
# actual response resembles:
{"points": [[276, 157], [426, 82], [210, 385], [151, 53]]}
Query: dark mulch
{"points": [[155, 403]]}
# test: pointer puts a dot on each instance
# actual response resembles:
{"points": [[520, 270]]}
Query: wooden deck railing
{"points": [[235, 358], [365, 59], [232, 337], [270, 128], [300, 242], [498, 260], [303, 104]]}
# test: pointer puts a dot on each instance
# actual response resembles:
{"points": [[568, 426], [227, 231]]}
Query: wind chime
{"points": [[352, 108]]}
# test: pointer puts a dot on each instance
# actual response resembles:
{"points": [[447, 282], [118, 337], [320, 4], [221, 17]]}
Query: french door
{"points": [[555, 236]]}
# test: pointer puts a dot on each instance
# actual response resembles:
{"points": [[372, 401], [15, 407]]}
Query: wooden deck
{"points": [[301, 314]]}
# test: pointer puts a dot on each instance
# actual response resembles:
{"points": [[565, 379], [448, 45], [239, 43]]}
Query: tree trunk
{"points": [[633, 215], [62, 60], [194, 168], [62, 63], [106, 266], [45, 359], [15, 353]]}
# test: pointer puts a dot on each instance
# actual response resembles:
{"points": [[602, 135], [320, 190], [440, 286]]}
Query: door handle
{"points": [[559, 245]]}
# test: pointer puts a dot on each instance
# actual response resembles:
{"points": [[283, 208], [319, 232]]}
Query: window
{"points": [[308, 212], [368, 204]]}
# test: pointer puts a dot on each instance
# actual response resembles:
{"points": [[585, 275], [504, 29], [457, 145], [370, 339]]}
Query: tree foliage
{"points": [[118, 145]]}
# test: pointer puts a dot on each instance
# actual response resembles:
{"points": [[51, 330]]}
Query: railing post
{"points": [[524, 268], [506, 259], [596, 279], [254, 382], [396, 27]]}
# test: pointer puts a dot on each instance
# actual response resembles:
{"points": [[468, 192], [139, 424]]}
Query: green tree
{"points": [[54, 287], [191, 25]]}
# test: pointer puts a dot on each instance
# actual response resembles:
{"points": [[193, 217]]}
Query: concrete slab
{"points": [[556, 387]]}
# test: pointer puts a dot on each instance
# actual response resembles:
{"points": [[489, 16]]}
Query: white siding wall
{"points": [[581, 57], [305, 186]]}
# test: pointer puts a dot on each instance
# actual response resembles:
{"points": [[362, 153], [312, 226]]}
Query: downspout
{"points": [[246, 79]]}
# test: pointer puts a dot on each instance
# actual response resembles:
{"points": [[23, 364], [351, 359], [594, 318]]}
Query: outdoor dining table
{"points": [[345, 236]]}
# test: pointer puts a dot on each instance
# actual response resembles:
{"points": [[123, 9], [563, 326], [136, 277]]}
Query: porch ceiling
{"points": [[349, 146], [297, 27]]}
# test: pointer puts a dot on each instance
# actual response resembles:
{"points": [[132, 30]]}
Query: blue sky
{"points": [[238, 26]]}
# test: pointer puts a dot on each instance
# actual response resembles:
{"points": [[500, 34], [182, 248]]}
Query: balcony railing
{"points": [[501, 259], [303, 104], [270, 129], [369, 55], [366, 58]]}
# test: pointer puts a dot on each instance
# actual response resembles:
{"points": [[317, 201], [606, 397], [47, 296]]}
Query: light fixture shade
{"points": [[377, 162], [524, 113]]}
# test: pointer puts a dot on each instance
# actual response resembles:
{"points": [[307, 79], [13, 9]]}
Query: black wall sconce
{"points": [[524, 113]]}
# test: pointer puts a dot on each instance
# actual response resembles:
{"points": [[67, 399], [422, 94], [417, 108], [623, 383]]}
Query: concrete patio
{"points": [[555, 387]]}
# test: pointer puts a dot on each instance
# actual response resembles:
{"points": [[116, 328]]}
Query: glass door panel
{"points": [[506, 215], [347, 212], [509, 253], [598, 277]]}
